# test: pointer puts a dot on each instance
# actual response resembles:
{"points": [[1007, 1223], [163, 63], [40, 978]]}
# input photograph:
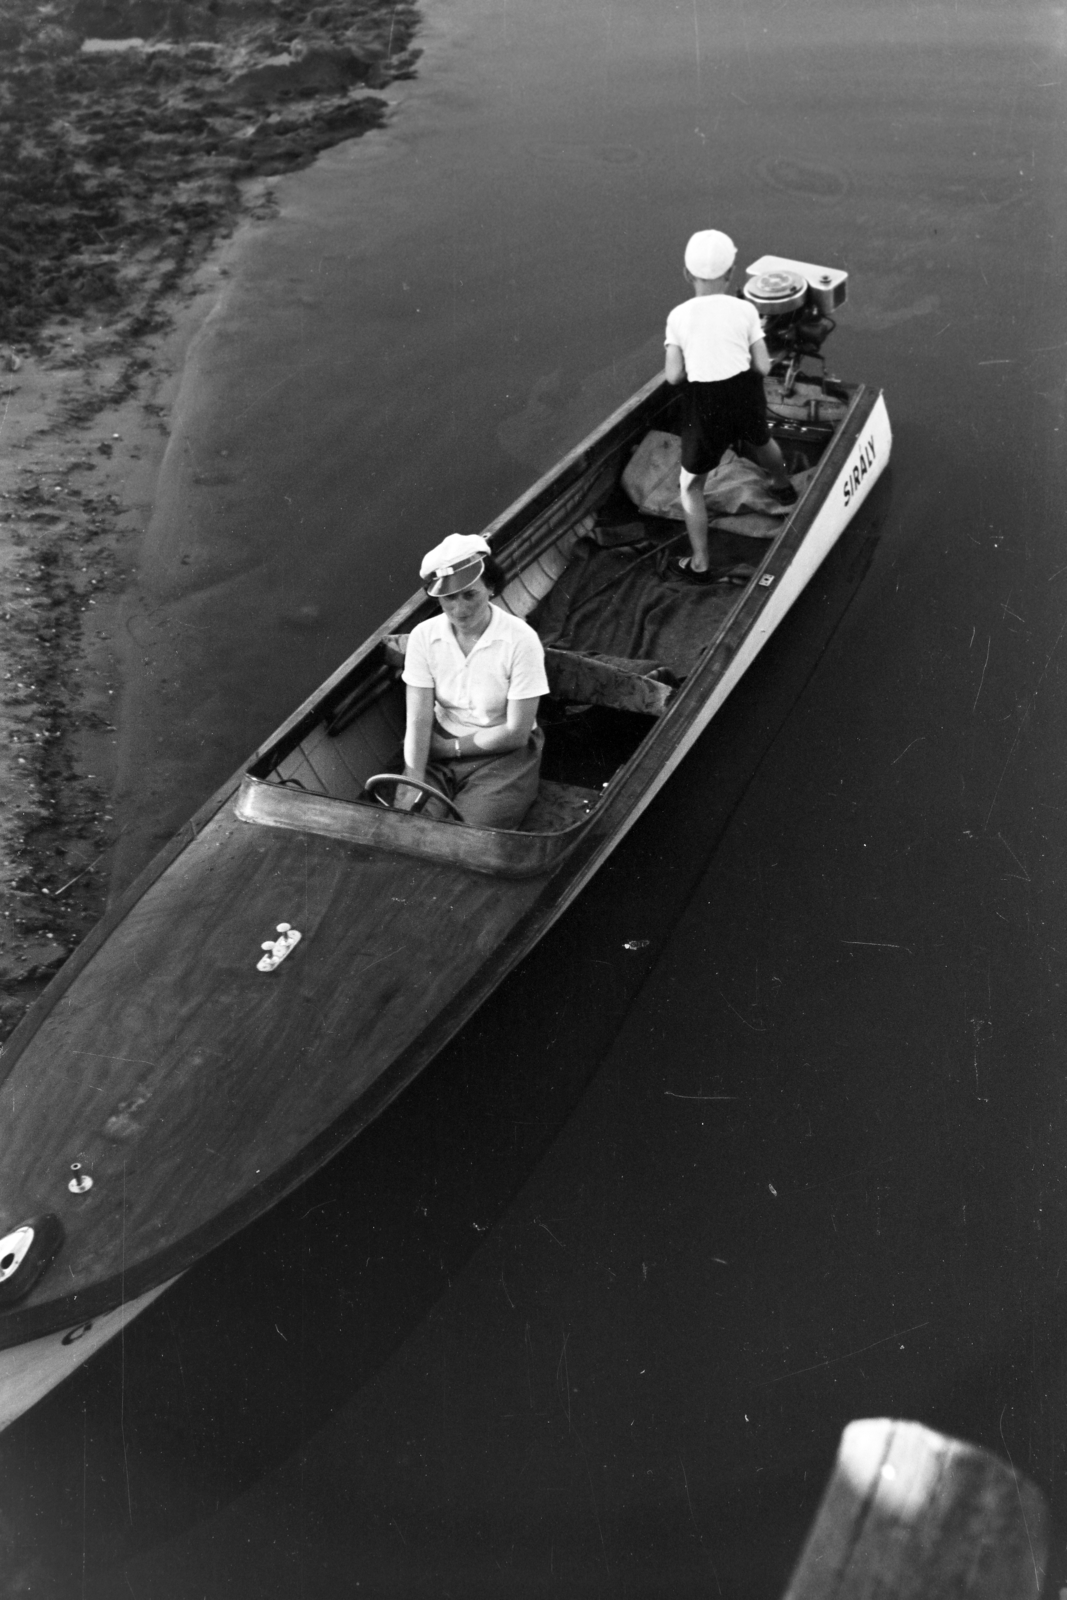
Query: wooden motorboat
{"points": [[299, 952]]}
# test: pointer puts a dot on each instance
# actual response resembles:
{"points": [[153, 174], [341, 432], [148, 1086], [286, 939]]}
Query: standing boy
{"points": [[715, 347]]}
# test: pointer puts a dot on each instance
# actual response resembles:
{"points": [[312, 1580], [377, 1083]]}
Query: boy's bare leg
{"points": [[772, 461], [696, 517]]}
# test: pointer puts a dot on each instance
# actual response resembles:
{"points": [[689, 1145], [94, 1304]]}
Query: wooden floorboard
{"points": [[297, 770], [327, 757], [339, 765], [375, 741]]}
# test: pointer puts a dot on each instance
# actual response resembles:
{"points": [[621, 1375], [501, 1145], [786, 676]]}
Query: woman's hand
{"points": [[496, 740], [404, 799]]}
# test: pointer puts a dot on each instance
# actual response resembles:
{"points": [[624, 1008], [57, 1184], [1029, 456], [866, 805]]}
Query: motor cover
{"points": [[827, 286], [776, 293]]}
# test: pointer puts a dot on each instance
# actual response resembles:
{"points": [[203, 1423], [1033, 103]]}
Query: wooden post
{"points": [[911, 1515]]}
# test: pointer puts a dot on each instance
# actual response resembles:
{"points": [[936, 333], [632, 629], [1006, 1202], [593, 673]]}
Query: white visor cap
{"points": [[710, 254], [454, 564]]}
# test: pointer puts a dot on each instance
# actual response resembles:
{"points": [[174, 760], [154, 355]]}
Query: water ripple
{"points": [[817, 180]]}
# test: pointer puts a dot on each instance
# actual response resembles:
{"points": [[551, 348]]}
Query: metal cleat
{"points": [[278, 949]]}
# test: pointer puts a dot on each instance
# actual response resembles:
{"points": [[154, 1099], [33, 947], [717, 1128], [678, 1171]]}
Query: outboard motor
{"points": [[795, 300]]}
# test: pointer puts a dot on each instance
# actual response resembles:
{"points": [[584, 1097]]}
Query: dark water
{"points": [[587, 1310]]}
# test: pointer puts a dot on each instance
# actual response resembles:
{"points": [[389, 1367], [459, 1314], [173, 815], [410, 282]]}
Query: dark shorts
{"points": [[719, 416]]}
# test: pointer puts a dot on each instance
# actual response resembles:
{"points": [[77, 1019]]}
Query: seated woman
{"points": [[474, 677]]}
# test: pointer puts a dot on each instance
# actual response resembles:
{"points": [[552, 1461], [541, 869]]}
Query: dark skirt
{"points": [[489, 791]]}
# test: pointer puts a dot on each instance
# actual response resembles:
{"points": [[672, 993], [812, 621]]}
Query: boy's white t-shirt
{"points": [[715, 333]]}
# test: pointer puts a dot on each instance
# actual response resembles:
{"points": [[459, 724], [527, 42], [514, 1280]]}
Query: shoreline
{"points": [[87, 391]]}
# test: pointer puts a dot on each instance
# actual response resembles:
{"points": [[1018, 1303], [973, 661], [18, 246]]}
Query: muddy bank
{"points": [[134, 134]]}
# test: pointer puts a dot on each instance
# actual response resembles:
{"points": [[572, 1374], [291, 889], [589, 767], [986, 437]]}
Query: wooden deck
{"points": [[186, 1082]]}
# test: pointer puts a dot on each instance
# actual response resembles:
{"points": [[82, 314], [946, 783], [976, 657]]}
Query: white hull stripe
{"points": [[28, 1371]]}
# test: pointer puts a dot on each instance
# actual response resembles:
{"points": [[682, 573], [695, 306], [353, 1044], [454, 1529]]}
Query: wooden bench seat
{"points": [[594, 680], [588, 680]]}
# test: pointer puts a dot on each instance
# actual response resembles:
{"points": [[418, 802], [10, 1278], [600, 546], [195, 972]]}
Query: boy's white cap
{"points": [[710, 254], [454, 564]]}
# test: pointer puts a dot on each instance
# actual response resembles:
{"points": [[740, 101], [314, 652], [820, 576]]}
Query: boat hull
{"points": [[199, 1083]]}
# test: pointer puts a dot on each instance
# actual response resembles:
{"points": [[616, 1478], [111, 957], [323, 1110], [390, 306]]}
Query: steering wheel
{"points": [[381, 778]]}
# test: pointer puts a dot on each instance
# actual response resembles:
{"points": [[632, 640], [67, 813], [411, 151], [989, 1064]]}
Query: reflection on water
{"points": [[612, 155], [670, 1214], [544, 428]]}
